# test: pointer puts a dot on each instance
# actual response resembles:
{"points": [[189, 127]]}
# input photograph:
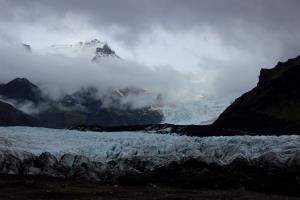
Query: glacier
{"points": [[202, 111], [159, 148]]}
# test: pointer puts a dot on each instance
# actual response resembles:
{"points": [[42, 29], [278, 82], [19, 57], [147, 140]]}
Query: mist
{"points": [[58, 75], [179, 49]]}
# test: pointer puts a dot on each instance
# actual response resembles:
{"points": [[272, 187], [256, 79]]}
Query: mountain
{"points": [[272, 106], [21, 89], [84, 107], [93, 50], [104, 51], [10, 116]]}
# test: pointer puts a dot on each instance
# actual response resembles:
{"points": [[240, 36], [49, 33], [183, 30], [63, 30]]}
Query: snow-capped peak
{"points": [[104, 51], [92, 49]]}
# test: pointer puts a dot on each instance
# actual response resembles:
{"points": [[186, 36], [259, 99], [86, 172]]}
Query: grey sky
{"points": [[223, 42]]}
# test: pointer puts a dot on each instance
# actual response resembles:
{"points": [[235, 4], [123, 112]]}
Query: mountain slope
{"points": [[10, 116], [21, 89], [84, 107], [273, 105]]}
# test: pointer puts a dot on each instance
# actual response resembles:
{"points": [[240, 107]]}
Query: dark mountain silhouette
{"points": [[10, 116], [21, 89], [82, 107], [272, 106]]}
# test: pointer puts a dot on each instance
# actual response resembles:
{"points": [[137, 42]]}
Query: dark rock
{"points": [[85, 107], [82, 107], [21, 89], [105, 50], [81, 161], [46, 164], [81, 168], [10, 116], [262, 174], [47, 160], [272, 106], [295, 161], [9, 163], [85, 172], [67, 160]]}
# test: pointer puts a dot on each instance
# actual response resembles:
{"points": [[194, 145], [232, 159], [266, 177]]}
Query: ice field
{"points": [[104, 147]]}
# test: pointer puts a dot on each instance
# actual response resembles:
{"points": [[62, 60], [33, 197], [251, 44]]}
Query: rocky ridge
{"points": [[272, 106], [82, 107]]}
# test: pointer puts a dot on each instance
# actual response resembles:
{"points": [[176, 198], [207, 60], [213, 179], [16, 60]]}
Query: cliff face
{"points": [[273, 105]]}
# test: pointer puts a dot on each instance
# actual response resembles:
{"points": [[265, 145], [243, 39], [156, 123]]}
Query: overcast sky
{"points": [[223, 43]]}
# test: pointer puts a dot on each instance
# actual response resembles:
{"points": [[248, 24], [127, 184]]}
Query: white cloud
{"points": [[223, 44]]}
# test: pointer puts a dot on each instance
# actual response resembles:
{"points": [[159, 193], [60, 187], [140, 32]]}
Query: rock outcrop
{"points": [[272, 106], [10, 116]]}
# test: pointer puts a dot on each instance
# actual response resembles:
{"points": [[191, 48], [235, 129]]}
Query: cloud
{"points": [[58, 75], [139, 16], [223, 43]]}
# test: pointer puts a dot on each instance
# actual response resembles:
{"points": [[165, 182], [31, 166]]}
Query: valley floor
{"points": [[35, 187]]}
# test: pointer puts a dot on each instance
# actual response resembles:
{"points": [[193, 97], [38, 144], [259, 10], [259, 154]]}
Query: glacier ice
{"points": [[159, 148], [204, 110]]}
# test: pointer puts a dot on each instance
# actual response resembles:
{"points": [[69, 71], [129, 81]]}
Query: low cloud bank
{"points": [[58, 75]]}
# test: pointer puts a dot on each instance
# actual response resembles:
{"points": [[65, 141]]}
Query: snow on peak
{"points": [[92, 49], [104, 51]]}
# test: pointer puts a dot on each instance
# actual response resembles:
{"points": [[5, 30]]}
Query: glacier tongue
{"points": [[105, 147], [202, 111]]}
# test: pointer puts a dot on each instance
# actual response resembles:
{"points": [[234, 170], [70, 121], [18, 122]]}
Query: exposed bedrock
{"points": [[268, 173]]}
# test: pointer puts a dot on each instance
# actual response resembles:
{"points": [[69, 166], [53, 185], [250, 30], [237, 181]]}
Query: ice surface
{"points": [[202, 111], [163, 148]]}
